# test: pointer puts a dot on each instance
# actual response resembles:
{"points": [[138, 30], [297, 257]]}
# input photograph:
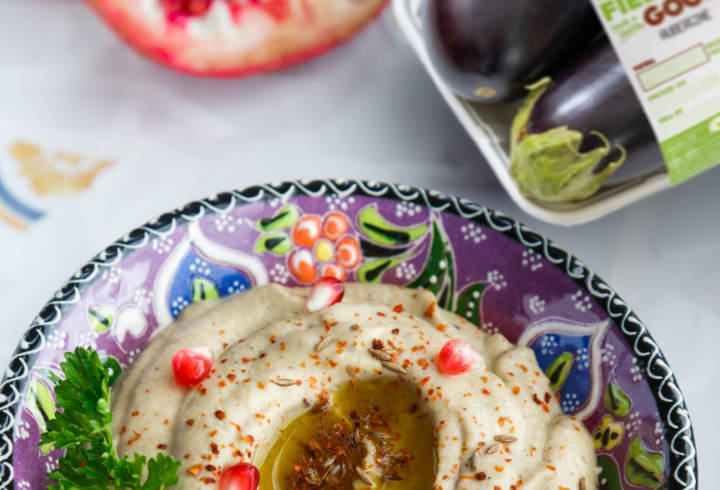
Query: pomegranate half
{"points": [[235, 38]]}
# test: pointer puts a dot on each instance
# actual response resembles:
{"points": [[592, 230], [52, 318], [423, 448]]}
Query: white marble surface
{"points": [[366, 110]]}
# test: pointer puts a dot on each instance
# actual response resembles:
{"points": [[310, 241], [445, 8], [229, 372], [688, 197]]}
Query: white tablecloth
{"points": [[367, 110]]}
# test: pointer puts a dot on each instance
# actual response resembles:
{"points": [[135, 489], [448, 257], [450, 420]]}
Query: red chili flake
{"points": [[210, 467], [203, 391], [395, 331], [135, 414], [223, 361], [425, 381], [430, 310], [162, 446], [137, 436], [123, 430], [231, 377], [548, 397], [251, 438], [189, 421], [536, 399], [398, 308], [225, 344], [480, 476], [378, 344], [83, 464], [214, 448], [413, 408], [212, 434], [210, 480], [262, 354], [194, 470], [222, 384], [485, 392], [260, 385], [220, 414]]}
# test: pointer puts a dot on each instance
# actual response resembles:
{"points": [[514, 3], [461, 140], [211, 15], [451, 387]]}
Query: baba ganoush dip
{"points": [[497, 427]]}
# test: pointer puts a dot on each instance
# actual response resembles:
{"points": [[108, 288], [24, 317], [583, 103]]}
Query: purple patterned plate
{"points": [[481, 264]]}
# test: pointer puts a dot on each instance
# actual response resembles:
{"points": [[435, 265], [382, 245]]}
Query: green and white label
{"points": [[671, 52]]}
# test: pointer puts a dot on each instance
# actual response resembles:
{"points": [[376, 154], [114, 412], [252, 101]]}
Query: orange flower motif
{"points": [[327, 238]]}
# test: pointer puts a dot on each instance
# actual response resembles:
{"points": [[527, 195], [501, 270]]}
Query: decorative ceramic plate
{"points": [[481, 264]]}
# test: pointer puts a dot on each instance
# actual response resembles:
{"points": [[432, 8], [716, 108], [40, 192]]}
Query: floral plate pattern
{"points": [[499, 274]]}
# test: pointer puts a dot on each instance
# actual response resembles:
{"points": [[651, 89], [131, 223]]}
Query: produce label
{"points": [[671, 52]]}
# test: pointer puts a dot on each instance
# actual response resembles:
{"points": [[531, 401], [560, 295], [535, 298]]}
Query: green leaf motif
{"points": [[617, 401], [381, 231], [100, 319], [609, 477], [284, 218], [447, 294], [433, 274], [204, 289], [373, 271], [40, 403], [557, 372], [642, 467], [278, 243], [469, 303]]}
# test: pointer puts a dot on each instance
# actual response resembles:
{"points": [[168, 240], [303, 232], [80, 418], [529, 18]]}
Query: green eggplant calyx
{"points": [[549, 166]]}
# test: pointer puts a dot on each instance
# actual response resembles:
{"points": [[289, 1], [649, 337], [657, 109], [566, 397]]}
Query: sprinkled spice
{"points": [[195, 470], [394, 367], [581, 484], [395, 331], [220, 414], [378, 344], [162, 446], [480, 476], [214, 448], [189, 421], [323, 343], [283, 382], [383, 356], [210, 481], [475, 460]]}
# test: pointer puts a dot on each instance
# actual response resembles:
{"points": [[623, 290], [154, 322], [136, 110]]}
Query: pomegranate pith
{"points": [[233, 38]]}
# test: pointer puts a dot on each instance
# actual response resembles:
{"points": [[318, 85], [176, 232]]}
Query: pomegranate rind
{"points": [[257, 43]]}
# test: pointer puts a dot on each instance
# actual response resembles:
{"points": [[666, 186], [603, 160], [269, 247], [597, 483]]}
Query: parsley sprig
{"points": [[82, 428]]}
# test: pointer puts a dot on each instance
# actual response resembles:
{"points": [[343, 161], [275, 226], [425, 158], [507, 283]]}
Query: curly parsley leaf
{"points": [[83, 430]]}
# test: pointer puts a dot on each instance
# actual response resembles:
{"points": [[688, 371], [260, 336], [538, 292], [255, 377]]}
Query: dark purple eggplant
{"points": [[489, 50], [574, 132]]}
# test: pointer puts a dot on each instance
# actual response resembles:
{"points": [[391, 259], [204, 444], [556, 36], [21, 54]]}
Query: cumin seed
{"points": [[505, 438], [394, 367], [493, 449], [324, 343], [283, 382], [475, 461], [383, 356], [363, 476]]}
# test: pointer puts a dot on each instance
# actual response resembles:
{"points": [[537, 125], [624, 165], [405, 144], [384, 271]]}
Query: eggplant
{"points": [[489, 50], [572, 133]]}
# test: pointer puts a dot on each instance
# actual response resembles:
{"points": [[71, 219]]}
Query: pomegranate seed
{"points": [[458, 357], [242, 476], [325, 292], [192, 365]]}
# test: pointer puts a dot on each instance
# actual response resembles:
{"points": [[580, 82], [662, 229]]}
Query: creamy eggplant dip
{"points": [[354, 395]]}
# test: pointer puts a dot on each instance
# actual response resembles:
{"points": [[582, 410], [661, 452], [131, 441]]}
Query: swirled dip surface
{"points": [[265, 334]]}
